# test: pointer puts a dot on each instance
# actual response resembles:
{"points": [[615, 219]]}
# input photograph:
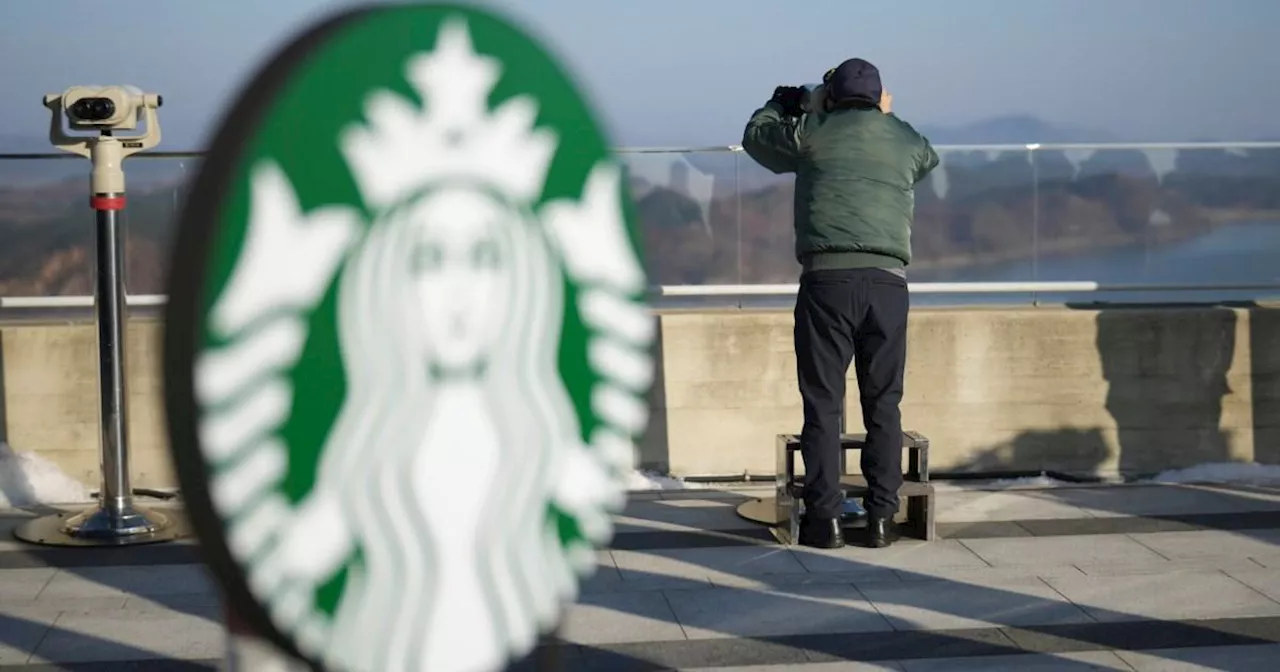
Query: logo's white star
{"points": [[454, 67]]}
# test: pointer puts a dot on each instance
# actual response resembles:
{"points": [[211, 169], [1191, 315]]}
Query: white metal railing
{"points": [[24, 302], [1068, 287], [1032, 146], [775, 290]]}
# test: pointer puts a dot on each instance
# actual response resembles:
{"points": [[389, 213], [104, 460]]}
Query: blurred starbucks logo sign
{"points": [[407, 349]]}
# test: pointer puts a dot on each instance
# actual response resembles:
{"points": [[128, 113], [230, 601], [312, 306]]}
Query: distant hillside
{"points": [[12, 143], [1018, 129], [664, 169]]}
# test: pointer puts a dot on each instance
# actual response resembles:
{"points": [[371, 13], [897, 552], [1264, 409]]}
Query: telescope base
{"points": [[98, 527], [764, 510]]}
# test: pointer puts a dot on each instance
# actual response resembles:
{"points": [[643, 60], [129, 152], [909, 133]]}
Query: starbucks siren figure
{"points": [[472, 310], [457, 432]]}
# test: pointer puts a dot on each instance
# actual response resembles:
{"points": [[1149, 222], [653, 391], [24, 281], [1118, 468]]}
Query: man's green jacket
{"points": [[856, 171]]}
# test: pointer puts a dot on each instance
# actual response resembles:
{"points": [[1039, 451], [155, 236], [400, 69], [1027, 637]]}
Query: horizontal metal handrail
{"points": [[1046, 287], [1034, 146], [79, 301], [698, 291]]}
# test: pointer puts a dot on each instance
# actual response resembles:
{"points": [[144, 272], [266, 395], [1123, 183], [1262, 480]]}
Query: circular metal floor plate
{"points": [[52, 531]]}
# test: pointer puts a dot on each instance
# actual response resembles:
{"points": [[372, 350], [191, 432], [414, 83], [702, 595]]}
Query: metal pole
{"points": [[117, 495], [116, 516]]}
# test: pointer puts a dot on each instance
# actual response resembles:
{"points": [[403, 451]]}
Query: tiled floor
{"points": [[690, 585]]}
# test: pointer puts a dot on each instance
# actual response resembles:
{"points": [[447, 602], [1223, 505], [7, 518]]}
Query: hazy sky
{"points": [[675, 72]]}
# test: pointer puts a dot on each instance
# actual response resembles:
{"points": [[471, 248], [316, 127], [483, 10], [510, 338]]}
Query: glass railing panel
{"points": [[975, 221], [47, 226], [768, 234], [1172, 217], [157, 189], [1113, 215], [687, 209]]}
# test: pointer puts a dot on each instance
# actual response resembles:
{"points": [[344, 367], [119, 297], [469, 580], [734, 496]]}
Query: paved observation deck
{"points": [[1117, 577]]}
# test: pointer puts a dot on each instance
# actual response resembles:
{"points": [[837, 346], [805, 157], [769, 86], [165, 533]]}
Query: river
{"points": [[1238, 253]]}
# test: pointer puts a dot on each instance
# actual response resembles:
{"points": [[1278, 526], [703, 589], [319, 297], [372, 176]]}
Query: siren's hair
{"points": [[389, 397]]}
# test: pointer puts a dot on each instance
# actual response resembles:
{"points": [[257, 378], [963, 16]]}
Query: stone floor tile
{"points": [[1203, 659], [130, 635], [906, 555], [868, 575], [183, 602], [681, 514], [1051, 551], [620, 617], [645, 584], [1192, 566], [706, 563], [799, 610], [810, 667], [1265, 581], [57, 605], [130, 580], [1164, 597], [936, 605], [1212, 543], [21, 630], [1034, 662], [987, 575], [1003, 505], [1147, 500], [1268, 560], [24, 584]]}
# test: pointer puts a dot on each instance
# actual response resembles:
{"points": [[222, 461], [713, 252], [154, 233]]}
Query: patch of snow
{"points": [[1250, 473], [1040, 481], [1027, 482], [27, 479], [649, 480]]}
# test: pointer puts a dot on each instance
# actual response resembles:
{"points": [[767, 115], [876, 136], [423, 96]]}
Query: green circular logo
{"points": [[407, 351]]}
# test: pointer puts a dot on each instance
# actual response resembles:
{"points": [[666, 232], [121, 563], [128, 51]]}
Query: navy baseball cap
{"points": [[853, 80]]}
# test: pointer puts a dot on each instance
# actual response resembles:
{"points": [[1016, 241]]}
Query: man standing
{"points": [[856, 167]]}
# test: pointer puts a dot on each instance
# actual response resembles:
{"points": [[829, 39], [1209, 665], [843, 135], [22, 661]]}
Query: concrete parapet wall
{"points": [[1136, 390], [1132, 390], [49, 398]]}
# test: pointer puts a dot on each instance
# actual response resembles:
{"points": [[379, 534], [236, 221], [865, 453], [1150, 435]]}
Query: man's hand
{"points": [[886, 102], [789, 97]]}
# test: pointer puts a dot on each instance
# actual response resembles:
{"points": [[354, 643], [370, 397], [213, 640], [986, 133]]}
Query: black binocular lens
{"points": [[93, 109]]}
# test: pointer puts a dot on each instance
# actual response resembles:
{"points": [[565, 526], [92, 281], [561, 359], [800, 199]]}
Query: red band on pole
{"points": [[106, 202]]}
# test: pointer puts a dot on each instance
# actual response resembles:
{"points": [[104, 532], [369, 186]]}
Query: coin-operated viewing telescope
{"points": [[115, 108], [106, 109]]}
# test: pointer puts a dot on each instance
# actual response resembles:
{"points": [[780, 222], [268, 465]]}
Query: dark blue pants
{"points": [[859, 316]]}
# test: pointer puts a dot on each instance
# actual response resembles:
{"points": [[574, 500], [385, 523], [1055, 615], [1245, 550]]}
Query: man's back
{"points": [[856, 170]]}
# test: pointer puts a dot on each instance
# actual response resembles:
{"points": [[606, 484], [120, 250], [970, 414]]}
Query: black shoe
{"points": [[880, 532], [821, 532]]}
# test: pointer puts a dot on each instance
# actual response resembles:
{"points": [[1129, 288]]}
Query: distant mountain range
{"points": [[24, 144]]}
